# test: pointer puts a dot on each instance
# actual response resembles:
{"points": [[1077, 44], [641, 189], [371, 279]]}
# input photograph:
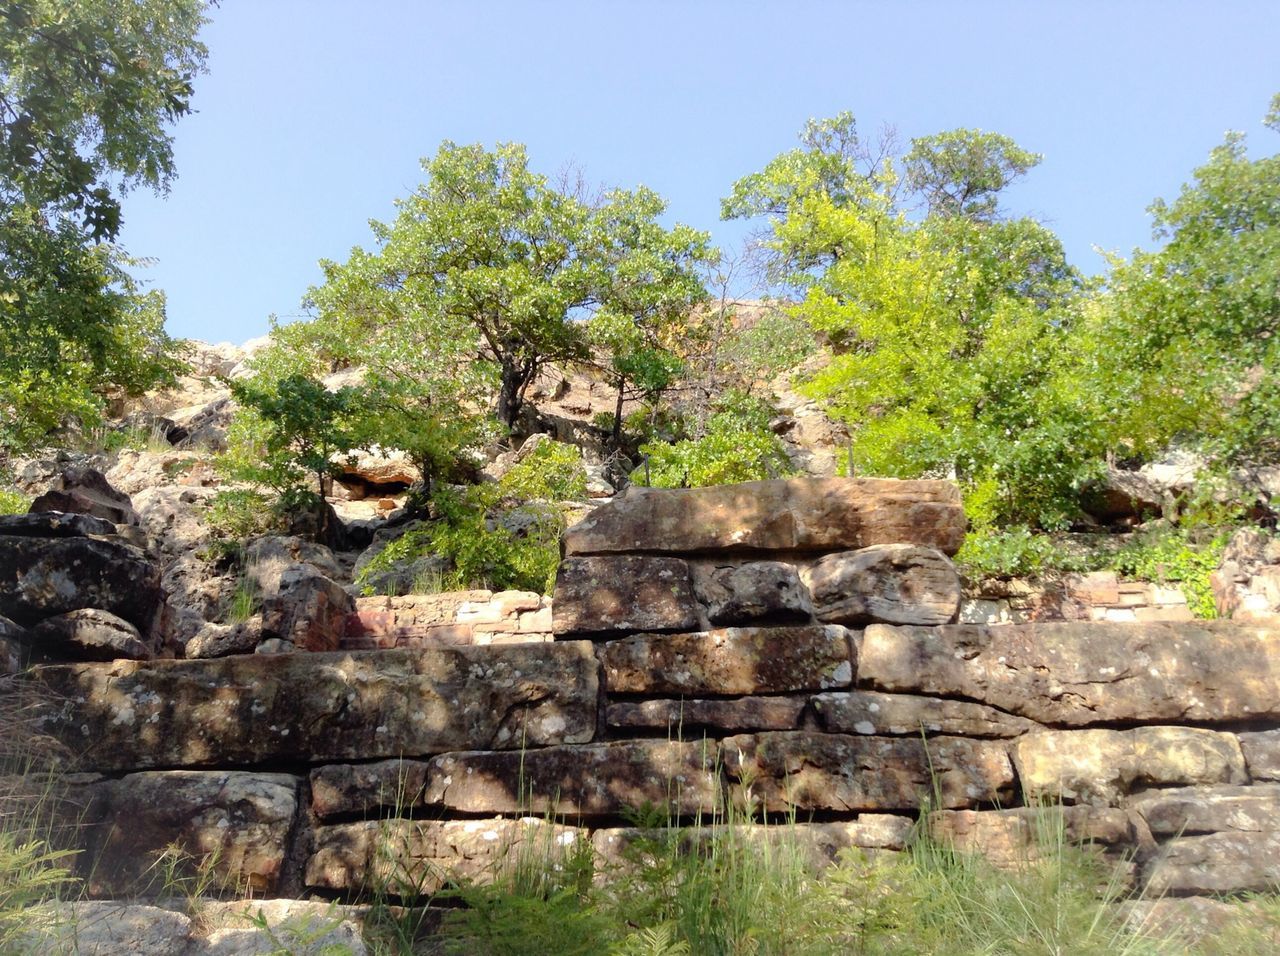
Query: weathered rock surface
{"points": [[104, 928], [254, 709], [173, 518], [309, 610], [410, 858], [89, 634], [239, 822], [84, 490], [1191, 810], [54, 524], [1261, 753], [1026, 834], [293, 927], [1100, 766], [1247, 585], [890, 583], [591, 780], [673, 715], [219, 640], [1226, 862], [871, 713], [1078, 674], [42, 577], [626, 593], [796, 514], [731, 660], [266, 560], [753, 593], [1195, 919], [351, 789], [13, 654], [804, 770]]}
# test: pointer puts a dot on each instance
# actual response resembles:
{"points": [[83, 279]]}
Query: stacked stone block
{"points": [[788, 647], [455, 617]]}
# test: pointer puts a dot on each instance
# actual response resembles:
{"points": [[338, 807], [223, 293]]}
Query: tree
{"points": [[650, 285], [87, 91], [963, 171]]}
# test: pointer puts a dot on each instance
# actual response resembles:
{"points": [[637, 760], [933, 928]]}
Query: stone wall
{"points": [[455, 617], [787, 645], [1098, 596]]}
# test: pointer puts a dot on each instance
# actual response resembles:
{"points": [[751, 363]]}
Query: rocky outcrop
{"points": [[1247, 585], [797, 514], [83, 490]]}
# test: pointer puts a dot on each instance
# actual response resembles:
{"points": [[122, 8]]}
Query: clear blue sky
{"points": [[314, 113]]}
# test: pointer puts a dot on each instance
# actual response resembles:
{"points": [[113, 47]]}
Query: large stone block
{"points": [[674, 715], [42, 577], [367, 789], [415, 858], [238, 823], [753, 593], [1191, 810], [593, 780], [795, 514], [804, 771], [623, 593], [890, 583], [872, 713], [1010, 838], [1228, 862], [1101, 766], [89, 635], [1079, 674], [1262, 753], [731, 660], [318, 708]]}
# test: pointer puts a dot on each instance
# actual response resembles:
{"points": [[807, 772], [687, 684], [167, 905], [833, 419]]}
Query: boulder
{"points": [[236, 822], [309, 610], [1076, 674], [267, 558], [84, 490], [731, 660], [368, 789], [1247, 584], [1227, 862], [136, 471], [607, 779], [1194, 920], [1261, 753], [379, 466], [806, 771], [292, 927], [43, 577], [206, 424], [673, 716], [55, 524], [1101, 766], [219, 640], [173, 518], [416, 858], [893, 584], [1124, 496], [13, 653], [1213, 809], [794, 514], [254, 709], [89, 634], [104, 928], [757, 592], [870, 713], [1011, 838], [628, 593]]}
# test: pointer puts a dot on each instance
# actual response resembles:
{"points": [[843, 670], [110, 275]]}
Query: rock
{"points": [[893, 584], [316, 708], [89, 635], [1193, 920], [351, 789], [274, 645], [416, 858], [237, 822], [731, 660], [1191, 810], [590, 780], [1010, 838], [757, 592], [174, 518], [309, 610], [1247, 584], [267, 558], [629, 593], [104, 928], [206, 424], [1261, 753], [55, 524], [42, 577], [795, 514], [13, 654], [84, 490], [293, 927], [1122, 495], [1073, 675], [198, 584], [136, 471], [219, 640], [808, 771], [674, 716], [1216, 863], [598, 484], [870, 713], [1101, 766], [379, 466]]}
